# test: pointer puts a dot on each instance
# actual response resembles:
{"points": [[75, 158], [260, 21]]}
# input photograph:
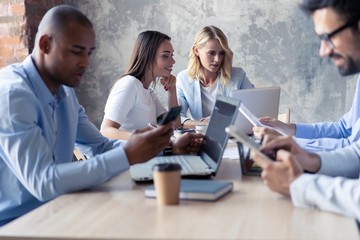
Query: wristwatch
{"points": [[168, 150]]}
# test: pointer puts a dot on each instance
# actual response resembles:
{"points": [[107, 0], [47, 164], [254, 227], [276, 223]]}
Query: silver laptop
{"points": [[260, 101], [207, 162]]}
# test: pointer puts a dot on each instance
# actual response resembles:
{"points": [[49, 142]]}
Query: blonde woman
{"points": [[209, 73]]}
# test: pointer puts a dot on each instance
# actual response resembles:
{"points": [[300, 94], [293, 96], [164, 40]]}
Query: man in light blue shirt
{"points": [[336, 185], [41, 120], [328, 136], [322, 136]]}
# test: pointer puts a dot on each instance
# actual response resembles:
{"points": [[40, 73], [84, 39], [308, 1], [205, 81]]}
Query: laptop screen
{"points": [[260, 101], [215, 140]]}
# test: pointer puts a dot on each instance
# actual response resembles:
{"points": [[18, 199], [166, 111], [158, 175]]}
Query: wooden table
{"points": [[119, 210]]}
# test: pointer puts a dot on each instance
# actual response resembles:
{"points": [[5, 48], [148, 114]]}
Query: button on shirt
{"points": [[38, 131]]}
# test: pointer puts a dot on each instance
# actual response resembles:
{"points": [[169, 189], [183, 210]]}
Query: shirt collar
{"points": [[39, 87]]}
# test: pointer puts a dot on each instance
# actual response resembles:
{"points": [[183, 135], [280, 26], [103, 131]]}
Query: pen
{"points": [[151, 125]]}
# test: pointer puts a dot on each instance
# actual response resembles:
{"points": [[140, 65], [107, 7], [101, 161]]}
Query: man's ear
{"points": [[44, 43]]}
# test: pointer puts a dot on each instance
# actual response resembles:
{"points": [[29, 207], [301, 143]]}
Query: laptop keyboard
{"points": [[186, 167]]}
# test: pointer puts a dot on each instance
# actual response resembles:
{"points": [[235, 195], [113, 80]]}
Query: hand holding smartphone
{"points": [[171, 115]]}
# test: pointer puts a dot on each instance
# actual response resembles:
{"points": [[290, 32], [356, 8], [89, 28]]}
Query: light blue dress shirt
{"points": [[189, 91], [38, 132], [332, 135]]}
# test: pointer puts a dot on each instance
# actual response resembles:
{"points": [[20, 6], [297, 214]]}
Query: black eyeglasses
{"points": [[326, 37]]}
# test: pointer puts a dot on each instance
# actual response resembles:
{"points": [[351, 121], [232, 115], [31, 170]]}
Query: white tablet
{"points": [[243, 138], [254, 120]]}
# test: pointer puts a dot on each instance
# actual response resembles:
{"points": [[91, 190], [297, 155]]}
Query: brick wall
{"points": [[11, 18], [18, 25]]}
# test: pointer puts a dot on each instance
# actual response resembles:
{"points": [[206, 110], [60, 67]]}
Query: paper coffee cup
{"points": [[167, 183]]}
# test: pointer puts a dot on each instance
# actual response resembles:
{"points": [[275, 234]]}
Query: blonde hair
{"points": [[206, 34]]}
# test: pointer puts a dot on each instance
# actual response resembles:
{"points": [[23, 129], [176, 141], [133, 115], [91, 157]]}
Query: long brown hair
{"points": [[144, 53]]}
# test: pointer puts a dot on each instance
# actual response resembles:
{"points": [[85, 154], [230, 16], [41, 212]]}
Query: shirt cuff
{"points": [[298, 191], [326, 167], [304, 130], [116, 160]]}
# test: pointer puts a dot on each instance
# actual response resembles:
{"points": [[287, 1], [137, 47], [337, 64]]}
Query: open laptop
{"points": [[260, 101], [207, 162]]}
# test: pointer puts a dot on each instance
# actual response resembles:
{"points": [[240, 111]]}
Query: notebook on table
{"points": [[198, 189], [207, 162], [260, 102]]}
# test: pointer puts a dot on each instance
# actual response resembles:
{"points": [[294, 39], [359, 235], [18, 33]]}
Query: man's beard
{"points": [[351, 66]]}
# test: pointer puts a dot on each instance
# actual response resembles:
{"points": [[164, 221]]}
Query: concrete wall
{"points": [[272, 40]]}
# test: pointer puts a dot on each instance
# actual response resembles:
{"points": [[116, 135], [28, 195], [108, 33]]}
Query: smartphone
{"points": [[171, 115], [243, 138]]}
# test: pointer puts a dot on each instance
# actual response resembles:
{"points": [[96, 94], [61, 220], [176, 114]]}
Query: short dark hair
{"points": [[349, 9], [58, 19], [65, 14]]}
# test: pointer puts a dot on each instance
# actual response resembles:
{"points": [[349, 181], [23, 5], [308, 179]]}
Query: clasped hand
{"points": [[169, 83], [279, 174]]}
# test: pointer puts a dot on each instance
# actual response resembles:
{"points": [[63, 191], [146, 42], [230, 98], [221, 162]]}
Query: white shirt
{"points": [[208, 96], [336, 187], [131, 105]]}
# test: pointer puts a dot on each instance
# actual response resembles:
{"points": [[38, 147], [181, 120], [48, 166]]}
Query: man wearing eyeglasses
{"points": [[333, 33], [335, 186]]}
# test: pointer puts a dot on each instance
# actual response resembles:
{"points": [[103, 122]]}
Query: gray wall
{"points": [[272, 40]]}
